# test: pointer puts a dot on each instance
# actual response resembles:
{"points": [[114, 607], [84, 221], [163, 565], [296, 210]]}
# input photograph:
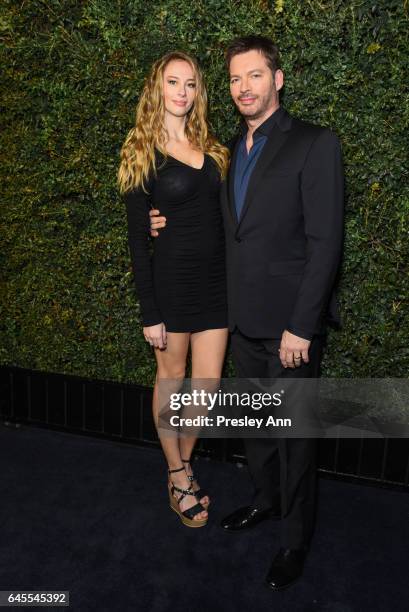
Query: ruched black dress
{"points": [[183, 282]]}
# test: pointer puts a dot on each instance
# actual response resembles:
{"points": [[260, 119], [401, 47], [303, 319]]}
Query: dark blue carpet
{"points": [[92, 517]]}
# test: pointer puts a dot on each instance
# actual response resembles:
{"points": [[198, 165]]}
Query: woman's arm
{"points": [[137, 210]]}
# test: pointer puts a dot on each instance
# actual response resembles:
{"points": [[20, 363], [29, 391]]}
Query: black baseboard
{"points": [[122, 412]]}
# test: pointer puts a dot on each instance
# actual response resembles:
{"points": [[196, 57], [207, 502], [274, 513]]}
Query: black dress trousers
{"points": [[283, 470]]}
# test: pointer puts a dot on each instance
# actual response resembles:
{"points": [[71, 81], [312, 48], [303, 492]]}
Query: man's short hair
{"points": [[254, 43]]}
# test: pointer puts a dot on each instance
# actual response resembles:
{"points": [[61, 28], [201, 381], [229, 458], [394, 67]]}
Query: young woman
{"points": [[170, 159]]}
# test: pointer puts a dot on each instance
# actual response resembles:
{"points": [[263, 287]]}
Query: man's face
{"points": [[253, 87]]}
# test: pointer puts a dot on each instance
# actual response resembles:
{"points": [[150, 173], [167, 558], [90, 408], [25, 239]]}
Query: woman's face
{"points": [[179, 87]]}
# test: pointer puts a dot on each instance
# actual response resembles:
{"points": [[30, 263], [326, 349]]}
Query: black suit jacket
{"points": [[284, 252]]}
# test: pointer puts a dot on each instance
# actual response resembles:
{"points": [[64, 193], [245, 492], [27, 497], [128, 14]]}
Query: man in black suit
{"points": [[283, 213]]}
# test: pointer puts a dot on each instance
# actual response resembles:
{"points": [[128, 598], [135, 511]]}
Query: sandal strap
{"points": [[201, 493], [190, 513], [185, 492], [178, 470], [190, 476]]}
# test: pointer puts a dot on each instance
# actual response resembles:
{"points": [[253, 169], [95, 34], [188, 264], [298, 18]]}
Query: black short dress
{"points": [[180, 276]]}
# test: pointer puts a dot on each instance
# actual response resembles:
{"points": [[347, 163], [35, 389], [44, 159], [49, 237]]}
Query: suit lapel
{"points": [[230, 180], [276, 139]]}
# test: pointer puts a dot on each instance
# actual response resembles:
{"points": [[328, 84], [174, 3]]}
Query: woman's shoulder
{"points": [[140, 191], [160, 157], [151, 179]]}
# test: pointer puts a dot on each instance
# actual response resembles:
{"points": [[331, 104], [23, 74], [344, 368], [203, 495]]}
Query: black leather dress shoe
{"points": [[286, 568], [247, 517]]}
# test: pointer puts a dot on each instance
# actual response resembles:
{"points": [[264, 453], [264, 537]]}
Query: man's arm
{"points": [[156, 222], [322, 191]]}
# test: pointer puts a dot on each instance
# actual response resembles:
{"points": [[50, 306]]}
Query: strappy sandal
{"points": [[187, 516], [201, 492]]}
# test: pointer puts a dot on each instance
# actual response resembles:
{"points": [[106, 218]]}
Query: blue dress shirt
{"points": [[245, 162]]}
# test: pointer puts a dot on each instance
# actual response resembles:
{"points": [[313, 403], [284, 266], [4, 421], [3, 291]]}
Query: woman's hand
{"points": [[156, 335]]}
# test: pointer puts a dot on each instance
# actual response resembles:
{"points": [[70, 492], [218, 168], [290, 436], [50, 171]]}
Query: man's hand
{"points": [[156, 222], [156, 335], [293, 350]]}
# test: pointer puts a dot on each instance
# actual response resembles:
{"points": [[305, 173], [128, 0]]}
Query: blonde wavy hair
{"points": [[149, 132]]}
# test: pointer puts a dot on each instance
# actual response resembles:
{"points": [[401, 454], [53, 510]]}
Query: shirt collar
{"points": [[265, 128]]}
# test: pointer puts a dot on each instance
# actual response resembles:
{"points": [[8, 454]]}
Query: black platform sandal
{"points": [[201, 492], [187, 516]]}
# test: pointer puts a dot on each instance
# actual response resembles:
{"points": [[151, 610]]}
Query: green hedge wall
{"points": [[72, 73]]}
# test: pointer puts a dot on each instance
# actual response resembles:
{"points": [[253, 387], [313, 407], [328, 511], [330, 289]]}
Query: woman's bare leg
{"points": [[208, 353], [171, 363]]}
